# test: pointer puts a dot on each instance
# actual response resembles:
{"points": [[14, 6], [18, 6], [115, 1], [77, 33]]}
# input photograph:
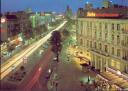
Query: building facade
{"points": [[104, 39]]}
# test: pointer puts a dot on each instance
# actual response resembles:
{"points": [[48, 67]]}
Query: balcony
{"points": [[99, 52]]}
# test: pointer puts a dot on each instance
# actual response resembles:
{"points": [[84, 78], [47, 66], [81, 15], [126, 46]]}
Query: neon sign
{"points": [[92, 14]]}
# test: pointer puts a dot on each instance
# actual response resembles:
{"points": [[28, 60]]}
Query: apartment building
{"points": [[103, 35]]}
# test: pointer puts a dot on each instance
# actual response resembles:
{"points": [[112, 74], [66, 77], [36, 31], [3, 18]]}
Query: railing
{"points": [[100, 52]]}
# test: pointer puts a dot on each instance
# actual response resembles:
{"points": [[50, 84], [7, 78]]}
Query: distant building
{"points": [[107, 3], [68, 13], [88, 6], [3, 29]]}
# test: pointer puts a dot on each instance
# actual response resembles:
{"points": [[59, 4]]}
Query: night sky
{"points": [[50, 5]]}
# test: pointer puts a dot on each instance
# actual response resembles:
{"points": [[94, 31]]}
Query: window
{"points": [[106, 25], [106, 35], [112, 26], [100, 26], [112, 37], [90, 43], [106, 48], [118, 26], [81, 27], [95, 34], [100, 34], [118, 52], [100, 46], [87, 43], [95, 45], [87, 24], [118, 39], [90, 24], [81, 42], [112, 50]]}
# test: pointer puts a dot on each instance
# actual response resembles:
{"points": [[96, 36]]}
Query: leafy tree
{"points": [[56, 43]]}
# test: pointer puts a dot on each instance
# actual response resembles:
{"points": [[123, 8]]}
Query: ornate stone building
{"points": [[103, 35]]}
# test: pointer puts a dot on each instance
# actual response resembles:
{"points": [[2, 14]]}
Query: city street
{"points": [[16, 60]]}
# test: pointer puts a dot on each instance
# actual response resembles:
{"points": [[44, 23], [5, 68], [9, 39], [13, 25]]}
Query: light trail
{"points": [[18, 59]]}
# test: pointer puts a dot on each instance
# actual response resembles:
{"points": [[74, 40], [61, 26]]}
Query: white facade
{"points": [[105, 41]]}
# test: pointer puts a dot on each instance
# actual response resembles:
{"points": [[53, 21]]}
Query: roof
{"points": [[10, 17], [111, 12]]}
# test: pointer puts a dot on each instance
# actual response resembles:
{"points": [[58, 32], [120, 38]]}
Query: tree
{"points": [[56, 43], [65, 32]]}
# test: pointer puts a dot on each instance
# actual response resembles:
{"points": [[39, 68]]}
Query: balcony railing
{"points": [[100, 52]]}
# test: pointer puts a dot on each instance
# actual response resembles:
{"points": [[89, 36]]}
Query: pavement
{"points": [[69, 74]]}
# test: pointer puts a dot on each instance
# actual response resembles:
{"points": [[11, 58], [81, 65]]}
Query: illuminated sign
{"points": [[3, 20], [92, 14]]}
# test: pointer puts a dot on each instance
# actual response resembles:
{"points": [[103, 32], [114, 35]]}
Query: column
{"points": [[95, 61], [101, 64]]}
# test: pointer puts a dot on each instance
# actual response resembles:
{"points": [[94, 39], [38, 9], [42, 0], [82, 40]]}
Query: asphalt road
{"points": [[17, 60]]}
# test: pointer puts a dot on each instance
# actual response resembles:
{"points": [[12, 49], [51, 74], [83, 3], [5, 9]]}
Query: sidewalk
{"points": [[70, 74]]}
